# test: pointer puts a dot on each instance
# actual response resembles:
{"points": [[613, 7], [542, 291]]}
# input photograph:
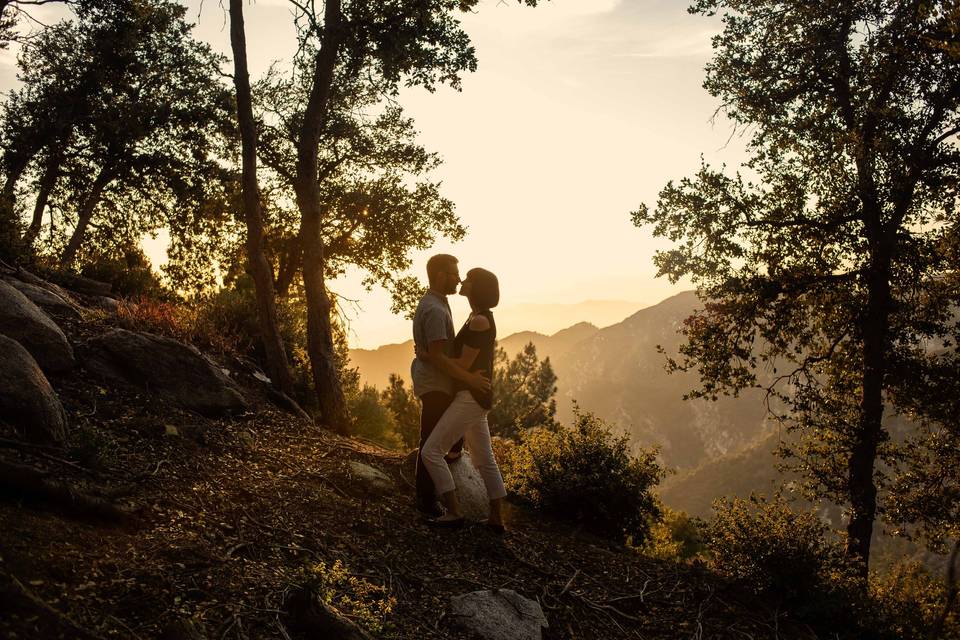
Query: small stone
{"points": [[170, 430]]}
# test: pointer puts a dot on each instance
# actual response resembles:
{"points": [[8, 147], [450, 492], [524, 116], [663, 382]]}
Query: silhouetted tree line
{"points": [[124, 125]]}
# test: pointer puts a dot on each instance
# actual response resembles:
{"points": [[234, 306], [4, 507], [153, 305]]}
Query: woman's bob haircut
{"points": [[484, 289]]}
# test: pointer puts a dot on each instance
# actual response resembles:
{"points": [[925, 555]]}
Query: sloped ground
{"points": [[227, 512]]}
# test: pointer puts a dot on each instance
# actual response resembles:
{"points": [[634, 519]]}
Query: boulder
{"points": [[23, 321], [469, 483], [470, 488], [27, 401], [370, 478], [161, 365], [48, 298], [500, 614]]}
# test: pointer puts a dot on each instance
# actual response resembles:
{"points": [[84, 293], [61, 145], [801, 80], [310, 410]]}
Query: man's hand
{"points": [[479, 381], [421, 354]]}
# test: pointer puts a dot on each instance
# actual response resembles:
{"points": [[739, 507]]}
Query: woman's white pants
{"points": [[468, 420]]}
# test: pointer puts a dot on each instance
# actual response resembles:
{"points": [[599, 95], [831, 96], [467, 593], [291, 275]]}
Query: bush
{"points": [[129, 271], [676, 536], [909, 603], [588, 475], [365, 603], [372, 419], [765, 546]]}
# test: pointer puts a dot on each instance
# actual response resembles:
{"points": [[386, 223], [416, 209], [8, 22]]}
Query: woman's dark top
{"points": [[485, 341]]}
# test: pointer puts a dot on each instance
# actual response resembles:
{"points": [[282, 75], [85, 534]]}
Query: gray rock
{"points": [[470, 488], [370, 477], [501, 614], [161, 365], [27, 401], [106, 303], [23, 321], [48, 298]]}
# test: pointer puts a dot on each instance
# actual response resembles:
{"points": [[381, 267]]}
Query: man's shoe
{"points": [[431, 510]]}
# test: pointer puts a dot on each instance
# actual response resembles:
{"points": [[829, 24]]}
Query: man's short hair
{"points": [[439, 263], [484, 288]]}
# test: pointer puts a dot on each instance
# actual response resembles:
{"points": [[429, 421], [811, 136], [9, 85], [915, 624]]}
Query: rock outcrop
{"points": [[501, 614], [370, 478], [47, 298], [161, 365], [27, 401], [25, 322]]}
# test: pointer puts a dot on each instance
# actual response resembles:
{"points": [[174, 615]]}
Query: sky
{"points": [[580, 111]]}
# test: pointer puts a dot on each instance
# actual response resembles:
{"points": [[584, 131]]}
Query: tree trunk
{"points": [[50, 174], [259, 267], [326, 378], [84, 215], [290, 261], [11, 244], [860, 483]]}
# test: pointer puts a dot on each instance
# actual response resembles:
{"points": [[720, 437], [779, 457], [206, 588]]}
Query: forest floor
{"points": [[227, 514]]}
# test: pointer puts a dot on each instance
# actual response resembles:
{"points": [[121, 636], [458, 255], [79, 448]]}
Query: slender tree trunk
{"points": [[862, 463], [290, 261], [326, 378], [51, 172], [11, 244], [259, 267], [84, 215]]}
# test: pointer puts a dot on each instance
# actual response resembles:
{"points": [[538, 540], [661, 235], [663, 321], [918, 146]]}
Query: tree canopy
{"points": [[828, 267]]}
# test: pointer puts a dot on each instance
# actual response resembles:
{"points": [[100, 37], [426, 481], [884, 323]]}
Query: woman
{"points": [[466, 417]]}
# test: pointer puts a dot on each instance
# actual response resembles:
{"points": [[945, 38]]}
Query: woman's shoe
{"points": [[452, 523]]}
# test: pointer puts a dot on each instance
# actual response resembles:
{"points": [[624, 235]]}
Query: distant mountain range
{"points": [[617, 373]]}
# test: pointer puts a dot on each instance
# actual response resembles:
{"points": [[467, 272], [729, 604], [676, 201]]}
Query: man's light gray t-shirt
{"points": [[432, 321]]}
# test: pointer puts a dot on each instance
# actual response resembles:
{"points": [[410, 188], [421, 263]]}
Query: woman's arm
{"points": [[459, 368]]}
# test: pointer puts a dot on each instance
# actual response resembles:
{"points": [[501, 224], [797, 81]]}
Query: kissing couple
{"points": [[451, 375]]}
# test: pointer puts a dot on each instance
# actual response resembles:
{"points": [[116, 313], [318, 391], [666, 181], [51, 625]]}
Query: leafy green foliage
{"points": [[909, 603], [766, 546], [405, 409], [128, 270], [675, 536], [827, 278], [372, 419], [366, 603], [118, 126], [586, 474], [524, 389]]}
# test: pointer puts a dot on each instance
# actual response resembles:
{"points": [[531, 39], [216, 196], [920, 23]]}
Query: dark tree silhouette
{"points": [[837, 270]]}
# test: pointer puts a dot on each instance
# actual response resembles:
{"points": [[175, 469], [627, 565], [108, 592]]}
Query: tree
{"points": [[253, 211], [524, 389], [405, 409], [120, 118], [836, 270], [415, 41]]}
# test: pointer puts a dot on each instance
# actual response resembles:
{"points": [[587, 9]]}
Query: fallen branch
{"points": [[42, 604], [29, 484]]}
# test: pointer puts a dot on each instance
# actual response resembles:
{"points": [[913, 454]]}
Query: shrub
{"points": [[909, 603], [588, 475], [129, 271], [372, 419], [676, 536], [367, 604], [767, 547]]}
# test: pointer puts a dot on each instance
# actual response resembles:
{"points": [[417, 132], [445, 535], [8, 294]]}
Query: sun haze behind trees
{"points": [[837, 268]]}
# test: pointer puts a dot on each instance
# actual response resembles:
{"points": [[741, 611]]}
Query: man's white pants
{"points": [[468, 420]]}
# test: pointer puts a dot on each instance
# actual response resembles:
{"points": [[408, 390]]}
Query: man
{"points": [[433, 333]]}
